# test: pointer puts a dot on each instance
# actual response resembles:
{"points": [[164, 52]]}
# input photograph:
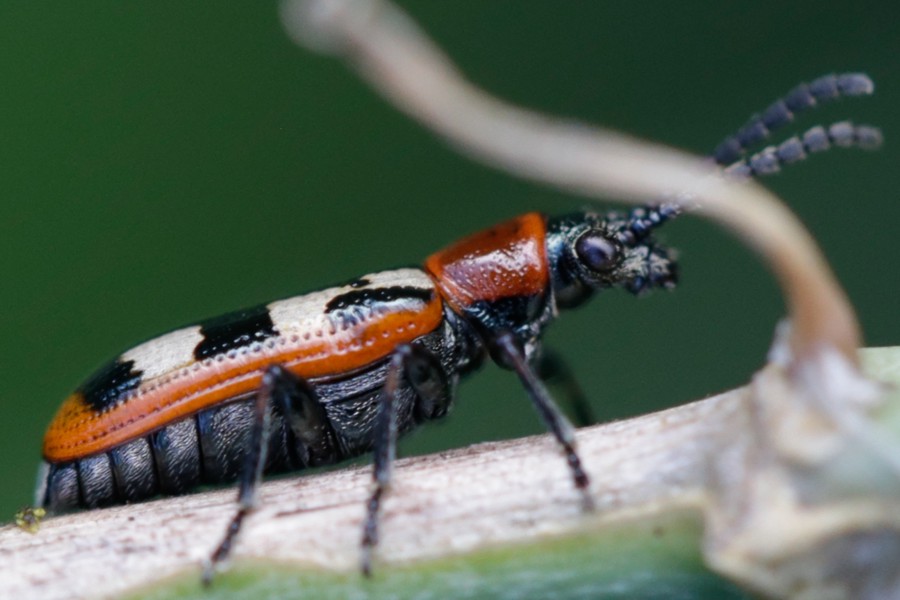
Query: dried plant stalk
{"points": [[702, 458], [440, 505]]}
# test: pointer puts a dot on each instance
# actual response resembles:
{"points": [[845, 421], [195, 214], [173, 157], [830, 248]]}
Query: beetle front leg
{"points": [[426, 377], [510, 350]]}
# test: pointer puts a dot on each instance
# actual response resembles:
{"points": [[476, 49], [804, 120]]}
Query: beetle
{"points": [[336, 373]]}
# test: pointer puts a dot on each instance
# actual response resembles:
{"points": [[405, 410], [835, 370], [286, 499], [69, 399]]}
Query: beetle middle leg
{"points": [[423, 372], [314, 440]]}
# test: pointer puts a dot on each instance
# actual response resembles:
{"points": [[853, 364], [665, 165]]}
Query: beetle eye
{"points": [[596, 252]]}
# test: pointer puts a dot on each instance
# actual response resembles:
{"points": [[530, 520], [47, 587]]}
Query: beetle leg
{"points": [[433, 392], [510, 350], [253, 467], [555, 373], [433, 388], [313, 436]]}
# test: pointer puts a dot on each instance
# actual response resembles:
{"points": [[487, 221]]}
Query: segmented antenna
{"points": [[817, 139], [781, 112], [640, 222]]}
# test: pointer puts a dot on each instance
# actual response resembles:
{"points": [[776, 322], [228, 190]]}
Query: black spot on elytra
{"points": [[368, 297], [105, 387], [234, 330]]}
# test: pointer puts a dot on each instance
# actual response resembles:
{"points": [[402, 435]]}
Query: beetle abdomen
{"points": [[205, 448]]}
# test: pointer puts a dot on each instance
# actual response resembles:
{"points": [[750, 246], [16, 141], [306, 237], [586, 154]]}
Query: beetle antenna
{"points": [[798, 148], [805, 96], [641, 221]]}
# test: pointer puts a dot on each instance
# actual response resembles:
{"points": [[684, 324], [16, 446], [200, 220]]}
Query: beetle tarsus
{"points": [[223, 550], [370, 530]]}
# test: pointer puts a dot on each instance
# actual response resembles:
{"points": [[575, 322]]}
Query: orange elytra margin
{"points": [[78, 431]]}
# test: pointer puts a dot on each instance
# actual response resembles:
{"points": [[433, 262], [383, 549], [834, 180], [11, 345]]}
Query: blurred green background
{"points": [[167, 161]]}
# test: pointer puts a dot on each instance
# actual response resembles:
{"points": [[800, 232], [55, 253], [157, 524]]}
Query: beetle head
{"points": [[589, 251]]}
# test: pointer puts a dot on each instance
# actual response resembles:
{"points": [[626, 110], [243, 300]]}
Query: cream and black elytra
{"points": [[318, 378]]}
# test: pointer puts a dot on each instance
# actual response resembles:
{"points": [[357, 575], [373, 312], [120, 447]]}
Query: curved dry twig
{"points": [[398, 60]]}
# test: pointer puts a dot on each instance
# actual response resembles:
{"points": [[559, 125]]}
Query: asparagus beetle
{"points": [[318, 378]]}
